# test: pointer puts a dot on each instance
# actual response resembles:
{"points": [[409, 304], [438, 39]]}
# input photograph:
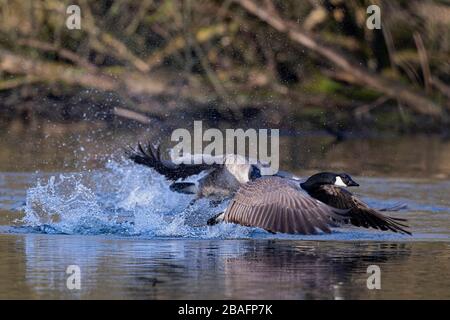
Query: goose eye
{"points": [[254, 173]]}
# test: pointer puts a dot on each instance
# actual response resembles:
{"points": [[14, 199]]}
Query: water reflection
{"points": [[214, 269], [307, 270]]}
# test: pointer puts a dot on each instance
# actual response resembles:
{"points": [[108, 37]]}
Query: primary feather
{"points": [[361, 215], [279, 205]]}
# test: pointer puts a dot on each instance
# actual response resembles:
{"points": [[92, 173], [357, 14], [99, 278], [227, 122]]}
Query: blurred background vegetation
{"points": [[310, 64]]}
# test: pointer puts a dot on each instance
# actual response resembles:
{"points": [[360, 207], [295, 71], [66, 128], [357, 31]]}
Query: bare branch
{"points": [[391, 88], [423, 61], [63, 53]]}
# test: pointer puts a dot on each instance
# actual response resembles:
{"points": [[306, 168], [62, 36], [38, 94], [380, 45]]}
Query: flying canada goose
{"points": [[282, 205], [224, 174]]}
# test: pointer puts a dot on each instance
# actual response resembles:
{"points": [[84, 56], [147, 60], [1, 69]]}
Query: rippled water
{"points": [[133, 238], [136, 268]]}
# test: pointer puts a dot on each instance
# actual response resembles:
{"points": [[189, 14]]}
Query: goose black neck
{"points": [[308, 187]]}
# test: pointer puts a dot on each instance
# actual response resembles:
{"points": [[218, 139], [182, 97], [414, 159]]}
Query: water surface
{"points": [[73, 199]]}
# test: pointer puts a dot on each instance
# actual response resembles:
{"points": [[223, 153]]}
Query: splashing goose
{"points": [[282, 205], [224, 174]]}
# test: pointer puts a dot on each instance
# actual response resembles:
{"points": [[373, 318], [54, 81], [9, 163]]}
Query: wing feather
{"points": [[361, 215], [279, 205], [150, 156]]}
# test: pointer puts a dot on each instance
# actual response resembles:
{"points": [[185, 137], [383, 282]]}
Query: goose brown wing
{"points": [[361, 215], [278, 205], [151, 157]]}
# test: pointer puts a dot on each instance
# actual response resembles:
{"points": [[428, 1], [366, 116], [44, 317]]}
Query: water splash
{"points": [[122, 199]]}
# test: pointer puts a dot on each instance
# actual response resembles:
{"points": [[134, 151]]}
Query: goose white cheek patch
{"points": [[339, 182]]}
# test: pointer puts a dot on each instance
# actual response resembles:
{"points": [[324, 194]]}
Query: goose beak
{"points": [[352, 183]]}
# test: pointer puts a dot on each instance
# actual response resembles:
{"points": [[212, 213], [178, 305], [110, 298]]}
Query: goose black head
{"points": [[254, 173], [328, 178]]}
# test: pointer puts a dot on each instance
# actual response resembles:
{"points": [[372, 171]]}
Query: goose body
{"points": [[281, 205]]}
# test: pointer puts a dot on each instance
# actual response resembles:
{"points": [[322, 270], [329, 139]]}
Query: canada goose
{"points": [[328, 188], [223, 176], [282, 205]]}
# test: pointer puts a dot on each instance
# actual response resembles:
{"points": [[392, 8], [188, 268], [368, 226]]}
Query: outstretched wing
{"points": [[278, 205], [151, 157], [361, 215]]}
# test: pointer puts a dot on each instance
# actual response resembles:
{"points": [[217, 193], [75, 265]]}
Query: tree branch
{"points": [[391, 88]]}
